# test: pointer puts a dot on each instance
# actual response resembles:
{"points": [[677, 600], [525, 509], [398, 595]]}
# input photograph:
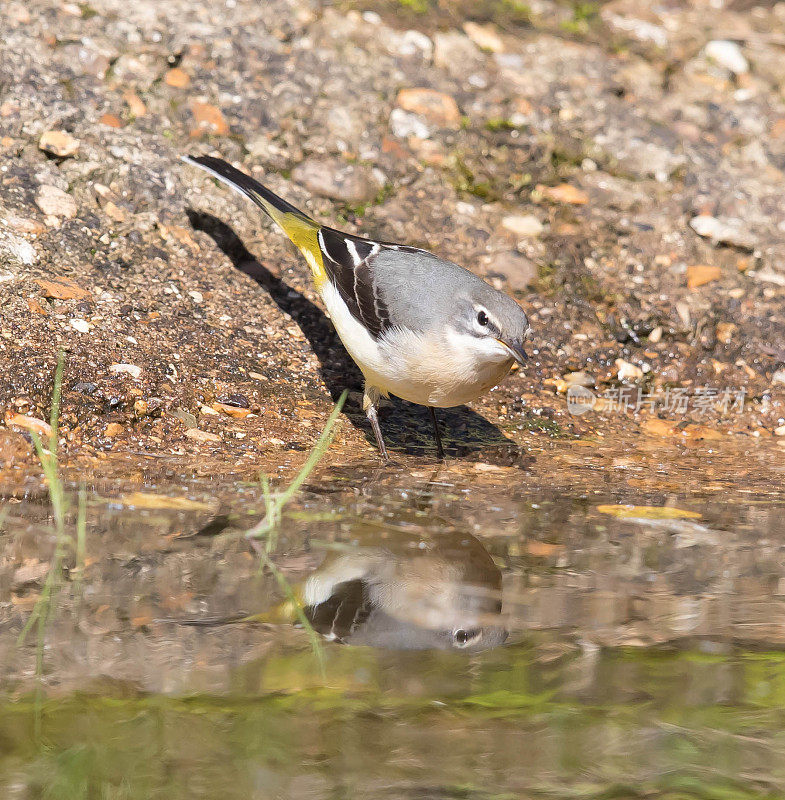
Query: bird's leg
{"points": [[370, 401], [439, 448], [377, 432]]}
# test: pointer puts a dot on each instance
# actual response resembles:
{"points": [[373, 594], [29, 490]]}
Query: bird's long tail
{"points": [[299, 227]]}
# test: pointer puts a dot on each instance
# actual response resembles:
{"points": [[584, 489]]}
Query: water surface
{"points": [[475, 639]]}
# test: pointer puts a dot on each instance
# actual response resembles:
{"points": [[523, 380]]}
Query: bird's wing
{"points": [[346, 260], [346, 609], [349, 263]]}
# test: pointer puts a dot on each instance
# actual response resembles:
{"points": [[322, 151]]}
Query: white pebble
{"points": [[727, 230], [404, 124], [129, 369], [728, 55], [55, 202], [17, 249], [628, 371], [413, 43], [522, 225]]}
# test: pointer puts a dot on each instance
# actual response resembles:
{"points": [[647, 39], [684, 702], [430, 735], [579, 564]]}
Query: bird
{"points": [[444, 594], [419, 327]]}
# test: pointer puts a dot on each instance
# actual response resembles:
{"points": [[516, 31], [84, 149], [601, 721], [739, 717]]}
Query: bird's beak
{"points": [[516, 351]]}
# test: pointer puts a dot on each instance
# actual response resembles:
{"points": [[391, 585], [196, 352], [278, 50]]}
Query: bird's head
{"points": [[492, 323], [481, 638]]}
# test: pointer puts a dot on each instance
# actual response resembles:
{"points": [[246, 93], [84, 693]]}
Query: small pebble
{"points": [[232, 411], [518, 270], [59, 143], [208, 119], [404, 124], [457, 54], [523, 225], [177, 78], [202, 436], [411, 43], [484, 36], [128, 369], [135, 104], [725, 331], [728, 55], [334, 178], [114, 212], [580, 378], [563, 193], [113, 429], [726, 230], [467, 209], [701, 274], [55, 202], [28, 423], [16, 249], [628, 371]]}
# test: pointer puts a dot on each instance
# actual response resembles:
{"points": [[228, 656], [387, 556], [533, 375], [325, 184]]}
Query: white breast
{"points": [[362, 347], [443, 369]]}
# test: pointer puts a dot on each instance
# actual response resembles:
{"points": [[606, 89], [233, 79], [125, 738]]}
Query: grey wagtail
{"points": [[445, 596], [417, 326]]}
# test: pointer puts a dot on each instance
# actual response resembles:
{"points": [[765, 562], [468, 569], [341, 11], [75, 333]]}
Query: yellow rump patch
{"points": [[303, 233]]}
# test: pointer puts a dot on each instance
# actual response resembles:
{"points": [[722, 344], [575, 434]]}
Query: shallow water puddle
{"points": [[497, 643]]}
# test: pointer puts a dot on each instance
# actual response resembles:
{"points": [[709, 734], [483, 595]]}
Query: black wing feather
{"points": [[348, 261], [344, 611]]}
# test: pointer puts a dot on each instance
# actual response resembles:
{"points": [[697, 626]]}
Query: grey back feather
{"points": [[395, 286], [422, 291]]}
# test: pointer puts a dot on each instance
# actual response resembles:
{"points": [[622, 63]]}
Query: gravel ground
{"points": [[618, 167]]}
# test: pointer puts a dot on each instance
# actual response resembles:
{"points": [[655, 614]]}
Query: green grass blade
{"points": [[54, 414], [275, 503], [44, 607], [319, 449]]}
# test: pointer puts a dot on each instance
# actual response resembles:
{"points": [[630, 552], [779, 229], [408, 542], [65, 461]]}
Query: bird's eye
{"points": [[482, 318], [462, 637]]}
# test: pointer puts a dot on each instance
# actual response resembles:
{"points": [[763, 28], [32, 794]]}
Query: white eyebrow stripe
{"points": [[488, 314]]}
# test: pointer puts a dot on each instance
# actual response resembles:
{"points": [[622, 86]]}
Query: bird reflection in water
{"points": [[443, 593]]}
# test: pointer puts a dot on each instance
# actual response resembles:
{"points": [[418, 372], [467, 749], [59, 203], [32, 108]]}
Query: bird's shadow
{"points": [[406, 427]]}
